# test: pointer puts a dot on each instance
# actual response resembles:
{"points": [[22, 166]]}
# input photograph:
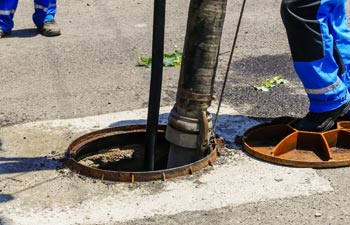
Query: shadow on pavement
{"points": [[9, 197], [10, 165], [23, 33], [5, 198], [127, 122], [3, 222], [163, 119], [20, 166], [228, 127]]}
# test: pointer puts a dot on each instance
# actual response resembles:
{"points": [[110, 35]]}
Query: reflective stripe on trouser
{"points": [[7, 11], [45, 10], [319, 40]]}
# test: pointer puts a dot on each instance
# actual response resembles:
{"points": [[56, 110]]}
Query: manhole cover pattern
{"points": [[280, 142]]}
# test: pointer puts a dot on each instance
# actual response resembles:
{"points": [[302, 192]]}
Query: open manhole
{"points": [[117, 154]]}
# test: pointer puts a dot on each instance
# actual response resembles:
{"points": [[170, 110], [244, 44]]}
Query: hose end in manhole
{"points": [[117, 154]]}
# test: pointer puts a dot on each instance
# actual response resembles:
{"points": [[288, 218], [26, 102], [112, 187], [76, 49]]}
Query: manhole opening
{"points": [[117, 154], [109, 154]]}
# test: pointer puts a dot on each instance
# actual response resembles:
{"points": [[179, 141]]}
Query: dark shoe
{"points": [[50, 29], [320, 122], [346, 117], [2, 33]]}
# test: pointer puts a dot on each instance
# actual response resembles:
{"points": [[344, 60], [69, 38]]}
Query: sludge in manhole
{"points": [[117, 154], [126, 158]]}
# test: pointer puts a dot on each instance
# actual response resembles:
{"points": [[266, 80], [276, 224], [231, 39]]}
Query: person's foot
{"points": [[320, 122], [346, 117], [50, 29], [2, 33]]}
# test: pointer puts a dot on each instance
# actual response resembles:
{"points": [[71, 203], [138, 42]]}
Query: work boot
{"points": [[2, 33], [320, 122], [346, 117], [50, 29]]}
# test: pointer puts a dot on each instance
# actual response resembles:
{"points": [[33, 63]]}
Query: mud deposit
{"points": [[115, 158]]}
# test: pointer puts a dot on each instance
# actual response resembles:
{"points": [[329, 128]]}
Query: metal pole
{"points": [[156, 82]]}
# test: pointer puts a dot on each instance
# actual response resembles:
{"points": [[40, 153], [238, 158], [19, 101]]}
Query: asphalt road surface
{"points": [[91, 69]]}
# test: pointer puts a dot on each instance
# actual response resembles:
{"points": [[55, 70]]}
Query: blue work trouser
{"points": [[44, 10], [319, 39]]}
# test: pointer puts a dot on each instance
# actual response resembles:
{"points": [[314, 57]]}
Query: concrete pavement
{"points": [[35, 189], [90, 71]]}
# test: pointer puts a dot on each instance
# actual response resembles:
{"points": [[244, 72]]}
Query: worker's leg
{"points": [[7, 11], [339, 29], [312, 47], [44, 17], [45, 10]]}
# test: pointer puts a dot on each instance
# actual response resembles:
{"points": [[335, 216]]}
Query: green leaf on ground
{"points": [[270, 83], [145, 61], [169, 60]]}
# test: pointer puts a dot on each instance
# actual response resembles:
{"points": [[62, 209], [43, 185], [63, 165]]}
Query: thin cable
{"points": [[229, 64]]}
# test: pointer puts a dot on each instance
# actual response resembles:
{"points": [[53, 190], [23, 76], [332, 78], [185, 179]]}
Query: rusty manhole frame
{"points": [[280, 142], [130, 176]]}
